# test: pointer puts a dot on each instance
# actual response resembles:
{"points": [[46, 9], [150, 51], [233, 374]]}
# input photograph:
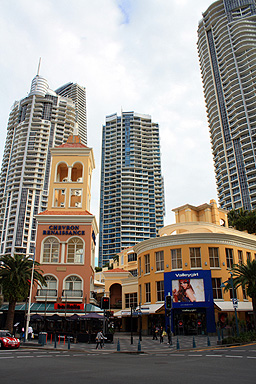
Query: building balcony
{"points": [[46, 295], [72, 295]]}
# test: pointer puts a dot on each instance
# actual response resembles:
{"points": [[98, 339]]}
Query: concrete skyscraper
{"points": [[132, 192], [36, 123], [227, 53]]}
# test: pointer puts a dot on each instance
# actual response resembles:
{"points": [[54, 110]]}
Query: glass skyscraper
{"points": [[132, 191], [227, 53], [36, 123]]}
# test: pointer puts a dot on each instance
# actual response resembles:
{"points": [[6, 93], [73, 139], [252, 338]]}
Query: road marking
{"points": [[234, 356], [80, 354], [177, 354], [213, 355], [62, 355], [43, 356], [251, 357], [195, 355], [24, 357], [6, 357]]}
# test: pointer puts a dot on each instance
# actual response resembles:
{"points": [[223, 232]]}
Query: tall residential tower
{"points": [[36, 123], [132, 192], [227, 53]]}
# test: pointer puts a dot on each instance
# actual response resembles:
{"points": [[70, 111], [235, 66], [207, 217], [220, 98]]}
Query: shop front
{"points": [[192, 310]]}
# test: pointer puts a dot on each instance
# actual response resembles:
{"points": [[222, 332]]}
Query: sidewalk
{"points": [[122, 341]]}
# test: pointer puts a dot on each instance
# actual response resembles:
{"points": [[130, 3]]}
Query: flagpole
{"points": [[30, 298]]}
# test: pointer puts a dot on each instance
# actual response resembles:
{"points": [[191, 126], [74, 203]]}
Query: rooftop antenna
{"points": [[39, 64]]}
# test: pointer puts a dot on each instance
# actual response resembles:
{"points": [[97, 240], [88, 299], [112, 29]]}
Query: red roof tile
{"points": [[65, 213], [116, 270]]}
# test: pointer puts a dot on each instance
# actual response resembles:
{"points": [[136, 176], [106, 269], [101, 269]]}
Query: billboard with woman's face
{"points": [[187, 290]]}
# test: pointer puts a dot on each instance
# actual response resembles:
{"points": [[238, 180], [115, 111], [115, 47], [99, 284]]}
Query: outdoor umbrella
{"points": [[73, 317], [36, 317], [92, 315]]}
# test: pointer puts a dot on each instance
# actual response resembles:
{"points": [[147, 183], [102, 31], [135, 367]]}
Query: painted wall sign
{"points": [[68, 306], [63, 230]]}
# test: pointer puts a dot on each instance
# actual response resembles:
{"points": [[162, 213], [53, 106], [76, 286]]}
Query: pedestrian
{"points": [[154, 334], [161, 334], [30, 332], [99, 339]]}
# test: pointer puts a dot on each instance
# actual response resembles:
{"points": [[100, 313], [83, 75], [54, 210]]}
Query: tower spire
{"points": [[39, 64]]}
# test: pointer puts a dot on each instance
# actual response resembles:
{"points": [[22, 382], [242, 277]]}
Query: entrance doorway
{"points": [[190, 322]]}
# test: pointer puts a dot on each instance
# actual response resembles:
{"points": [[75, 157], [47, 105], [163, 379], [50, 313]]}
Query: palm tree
{"points": [[15, 275], [244, 275]]}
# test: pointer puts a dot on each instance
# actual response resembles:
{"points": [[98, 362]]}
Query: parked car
{"points": [[8, 341]]}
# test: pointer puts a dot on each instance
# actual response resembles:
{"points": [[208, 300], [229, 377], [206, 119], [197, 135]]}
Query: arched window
{"points": [[75, 251], [73, 287], [51, 250], [77, 172], [62, 172]]}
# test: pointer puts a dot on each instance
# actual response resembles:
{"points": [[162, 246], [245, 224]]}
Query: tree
{"points": [[244, 275], [15, 275], [242, 220]]}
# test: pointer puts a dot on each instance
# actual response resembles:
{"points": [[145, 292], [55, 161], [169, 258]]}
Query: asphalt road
{"points": [[229, 365]]}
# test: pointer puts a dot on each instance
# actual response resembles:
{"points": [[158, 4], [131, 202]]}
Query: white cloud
{"points": [[137, 55]]}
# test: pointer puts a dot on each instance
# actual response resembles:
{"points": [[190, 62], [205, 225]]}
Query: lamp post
{"points": [[234, 300], [30, 297], [140, 320], [131, 325]]}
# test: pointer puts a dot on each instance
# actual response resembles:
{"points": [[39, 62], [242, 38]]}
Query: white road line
{"points": [[234, 356], [24, 357], [80, 354], [213, 355], [43, 356], [7, 357], [195, 355], [251, 357], [176, 354], [62, 355]]}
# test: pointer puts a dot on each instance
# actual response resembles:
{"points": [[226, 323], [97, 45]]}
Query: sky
{"points": [[131, 55]]}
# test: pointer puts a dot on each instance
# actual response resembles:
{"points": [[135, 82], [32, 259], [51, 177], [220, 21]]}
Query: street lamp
{"points": [[230, 281], [30, 297]]}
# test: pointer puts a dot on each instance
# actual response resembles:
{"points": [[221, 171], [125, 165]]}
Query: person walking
{"points": [[99, 339], [30, 332], [161, 335]]}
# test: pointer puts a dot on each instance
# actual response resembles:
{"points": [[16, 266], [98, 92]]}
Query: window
{"points": [[132, 257], [214, 257], [134, 272], [248, 256], [139, 266], [216, 289], [231, 294], [73, 287], [51, 250], [176, 258], [140, 294], [195, 257], [244, 293], [59, 198], [159, 260], [76, 198], [160, 290], [75, 251], [240, 257], [229, 257], [131, 300], [147, 263], [148, 292]]}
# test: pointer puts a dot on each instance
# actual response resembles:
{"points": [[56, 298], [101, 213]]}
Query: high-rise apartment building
{"points": [[77, 94], [132, 192], [36, 123], [227, 53]]}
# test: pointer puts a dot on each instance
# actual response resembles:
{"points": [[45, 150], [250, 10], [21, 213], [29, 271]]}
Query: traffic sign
{"points": [[235, 303]]}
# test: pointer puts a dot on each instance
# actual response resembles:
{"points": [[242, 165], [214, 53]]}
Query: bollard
{"points": [[194, 343], [139, 346], [118, 346], [222, 336], [59, 340], [46, 338], [68, 342], [55, 341], [51, 339], [64, 340], [178, 344], [208, 342]]}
